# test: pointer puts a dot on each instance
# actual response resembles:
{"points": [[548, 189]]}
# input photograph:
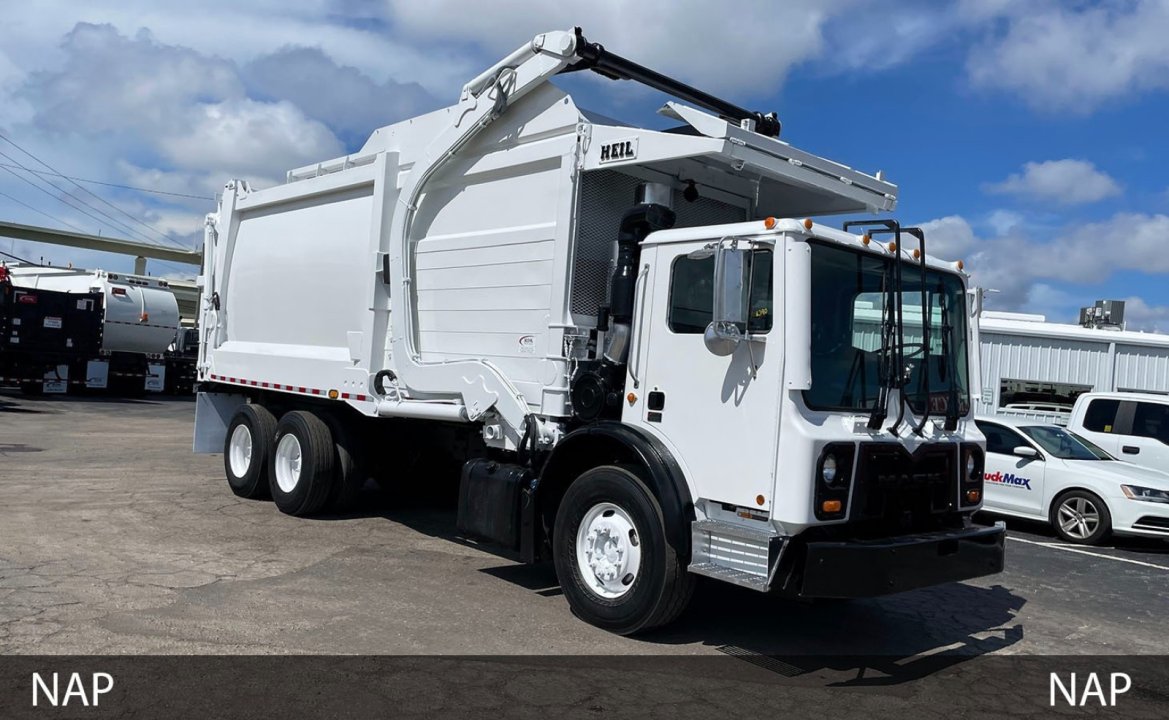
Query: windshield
{"points": [[850, 291], [1063, 444]]}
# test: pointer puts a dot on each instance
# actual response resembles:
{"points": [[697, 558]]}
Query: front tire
{"points": [[300, 469], [1081, 517], [245, 451], [614, 564]]}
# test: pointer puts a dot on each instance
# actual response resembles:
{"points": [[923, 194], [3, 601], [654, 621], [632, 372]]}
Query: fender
{"points": [[579, 450]]}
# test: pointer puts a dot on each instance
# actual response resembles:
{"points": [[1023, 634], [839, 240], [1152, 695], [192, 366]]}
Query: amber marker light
{"points": [[631, 397], [770, 223], [973, 496], [866, 239], [961, 265], [830, 506], [807, 223], [892, 247], [759, 499], [333, 394]]}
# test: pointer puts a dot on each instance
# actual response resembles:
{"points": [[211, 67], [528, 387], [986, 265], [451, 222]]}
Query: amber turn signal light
{"points": [[973, 496], [830, 506]]}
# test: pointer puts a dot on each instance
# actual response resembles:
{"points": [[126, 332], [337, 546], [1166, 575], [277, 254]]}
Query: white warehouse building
{"points": [[1027, 360]]}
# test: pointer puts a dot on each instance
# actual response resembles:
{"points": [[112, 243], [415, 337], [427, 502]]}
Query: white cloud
{"points": [[745, 48], [1068, 182], [1070, 56], [348, 101], [1140, 315], [1026, 269], [1004, 221], [950, 237]]}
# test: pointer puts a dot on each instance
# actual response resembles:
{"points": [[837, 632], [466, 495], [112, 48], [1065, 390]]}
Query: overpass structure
{"points": [[185, 291]]}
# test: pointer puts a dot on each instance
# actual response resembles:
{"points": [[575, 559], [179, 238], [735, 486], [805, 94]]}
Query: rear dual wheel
{"points": [[246, 449], [300, 470], [304, 462]]}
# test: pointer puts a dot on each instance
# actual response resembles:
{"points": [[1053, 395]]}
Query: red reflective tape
{"points": [[300, 389], [252, 383], [344, 396], [361, 398], [263, 384], [316, 391]]}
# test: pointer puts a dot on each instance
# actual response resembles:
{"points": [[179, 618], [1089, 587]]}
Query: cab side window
{"points": [[1151, 420], [1101, 415], [999, 439], [692, 294]]}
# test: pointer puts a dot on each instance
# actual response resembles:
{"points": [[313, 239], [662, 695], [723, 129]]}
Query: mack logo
{"points": [[620, 150], [1007, 479]]}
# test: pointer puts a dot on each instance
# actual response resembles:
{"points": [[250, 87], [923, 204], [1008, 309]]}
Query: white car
{"points": [[1045, 472]]}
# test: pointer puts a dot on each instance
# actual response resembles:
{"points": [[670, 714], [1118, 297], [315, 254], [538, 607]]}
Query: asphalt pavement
{"points": [[115, 538]]}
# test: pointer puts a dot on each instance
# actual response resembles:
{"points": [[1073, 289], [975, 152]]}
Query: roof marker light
{"points": [[770, 223], [807, 223], [866, 239]]}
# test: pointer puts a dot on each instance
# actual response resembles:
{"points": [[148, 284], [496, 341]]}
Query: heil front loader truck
{"points": [[643, 371]]}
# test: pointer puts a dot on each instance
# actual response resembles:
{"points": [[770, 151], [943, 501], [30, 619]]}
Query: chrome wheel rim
{"points": [[1078, 517], [239, 450], [608, 551], [288, 462]]}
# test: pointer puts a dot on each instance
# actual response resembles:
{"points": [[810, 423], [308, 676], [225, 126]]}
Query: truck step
{"points": [[733, 553]]}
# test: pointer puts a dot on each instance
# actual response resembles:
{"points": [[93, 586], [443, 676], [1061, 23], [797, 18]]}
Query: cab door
{"points": [[718, 414]]}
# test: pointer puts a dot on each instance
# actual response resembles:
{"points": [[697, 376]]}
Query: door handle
{"points": [[1130, 449]]}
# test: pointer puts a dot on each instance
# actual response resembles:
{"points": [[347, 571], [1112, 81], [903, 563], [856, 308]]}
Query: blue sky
{"points": [[1028, 136]]}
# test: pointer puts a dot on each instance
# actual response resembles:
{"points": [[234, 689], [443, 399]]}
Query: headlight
{"points": [[828, 469], [1136, 492]]}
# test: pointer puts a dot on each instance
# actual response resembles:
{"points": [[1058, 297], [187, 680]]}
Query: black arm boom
{"points": [[596, 58]]}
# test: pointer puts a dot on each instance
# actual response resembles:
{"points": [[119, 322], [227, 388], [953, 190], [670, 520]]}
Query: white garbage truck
{"points": [[629, 349]]}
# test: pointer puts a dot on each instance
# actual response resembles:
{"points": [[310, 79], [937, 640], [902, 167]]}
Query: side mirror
{"points": [[723, 335], [1026, 451]]}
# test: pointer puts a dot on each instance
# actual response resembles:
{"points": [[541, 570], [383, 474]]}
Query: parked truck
{"points": [[134, 350], [640, 354], [46, 336]]}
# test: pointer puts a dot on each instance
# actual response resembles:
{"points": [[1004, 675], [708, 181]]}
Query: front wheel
{"points": [[612, 558], [1081, 517]]}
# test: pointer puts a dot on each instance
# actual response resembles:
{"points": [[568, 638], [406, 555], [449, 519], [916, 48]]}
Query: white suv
{"points": [[1132, 426]]}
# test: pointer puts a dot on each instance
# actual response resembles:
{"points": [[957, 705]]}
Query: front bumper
{"points": [[867, 568]]}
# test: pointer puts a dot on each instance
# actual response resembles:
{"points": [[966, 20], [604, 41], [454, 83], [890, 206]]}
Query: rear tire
{"points": [[246, 449], [348, 467], [300, 468], [1080, 517], [614, 564]]}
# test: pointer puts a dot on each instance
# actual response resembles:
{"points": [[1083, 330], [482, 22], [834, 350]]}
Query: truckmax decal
{"points": [[1011, 479], [504, 294]]}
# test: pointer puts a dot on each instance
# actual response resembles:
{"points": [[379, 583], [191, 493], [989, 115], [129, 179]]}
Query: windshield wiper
{"points": [[948, 359], [926, 313], [891, 361]]}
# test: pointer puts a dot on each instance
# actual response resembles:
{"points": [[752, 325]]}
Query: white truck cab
{"points": [[632, 364], [1132, 426]]}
